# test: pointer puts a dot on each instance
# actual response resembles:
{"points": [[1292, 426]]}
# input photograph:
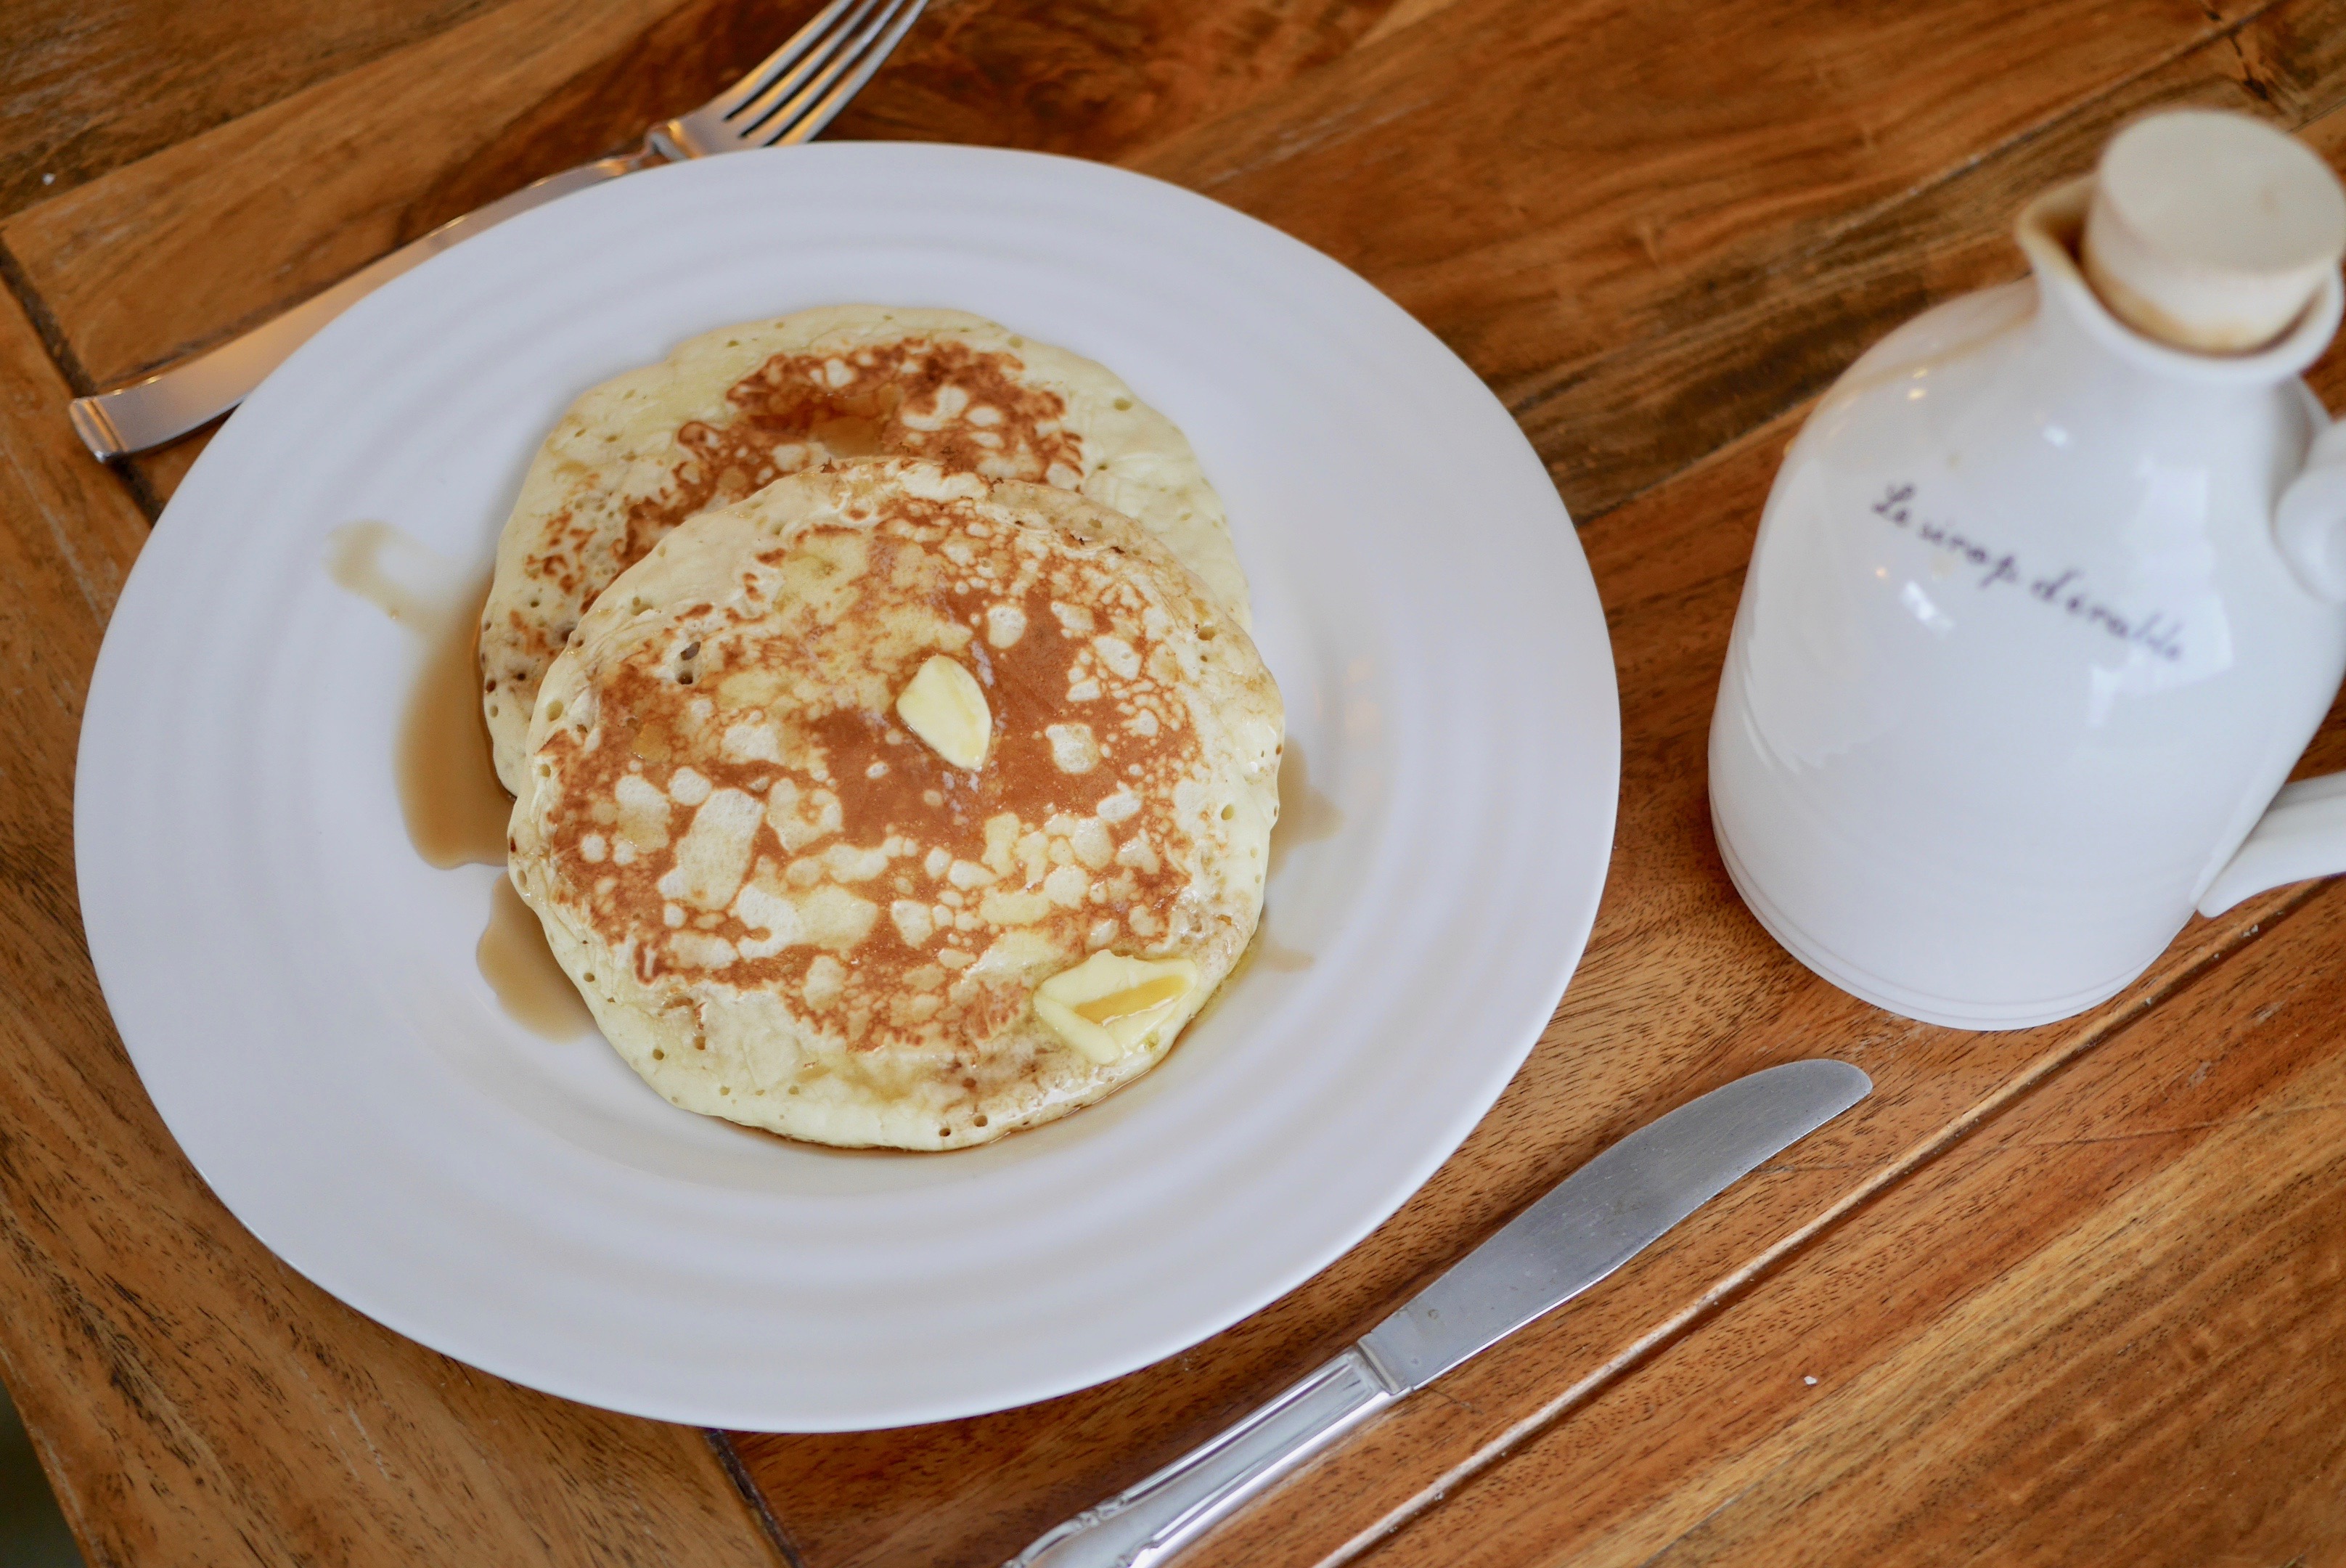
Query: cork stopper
{"points": [[2211, 231]]}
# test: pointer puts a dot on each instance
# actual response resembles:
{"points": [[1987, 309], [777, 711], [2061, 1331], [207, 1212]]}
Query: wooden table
{"points": [[2072, 1295]]}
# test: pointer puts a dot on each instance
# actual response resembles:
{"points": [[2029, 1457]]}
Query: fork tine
{"points": [[798, 123], [754, 82], [817, 66]]}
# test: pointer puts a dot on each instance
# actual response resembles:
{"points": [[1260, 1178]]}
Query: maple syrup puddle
{"points": [[456, 812], [520, 968]]}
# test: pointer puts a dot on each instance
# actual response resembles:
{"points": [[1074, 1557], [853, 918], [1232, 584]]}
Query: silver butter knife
{"points": [[1583, 1229], [788, 97]]}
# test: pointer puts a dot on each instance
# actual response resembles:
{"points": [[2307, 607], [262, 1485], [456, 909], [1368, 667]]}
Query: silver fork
{"points": [[791, 96]]}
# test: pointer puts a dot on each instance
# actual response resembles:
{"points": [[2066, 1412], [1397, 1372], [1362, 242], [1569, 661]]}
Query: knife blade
{"points": [[1581, 1230]]}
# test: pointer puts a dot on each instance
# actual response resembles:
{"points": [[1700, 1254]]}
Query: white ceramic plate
{"points": [[299, 990]]}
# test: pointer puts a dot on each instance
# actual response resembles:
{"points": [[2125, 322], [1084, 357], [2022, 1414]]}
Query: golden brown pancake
{"points": [[788, 908], [731, 411]]}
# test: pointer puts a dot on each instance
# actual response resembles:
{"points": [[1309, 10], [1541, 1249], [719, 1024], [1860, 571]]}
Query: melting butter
{"points": [[946, 707], [1109, 1004], [1139, 999]]}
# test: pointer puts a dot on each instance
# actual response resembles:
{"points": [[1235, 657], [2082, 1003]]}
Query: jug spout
{"points": [[2052, 233]]}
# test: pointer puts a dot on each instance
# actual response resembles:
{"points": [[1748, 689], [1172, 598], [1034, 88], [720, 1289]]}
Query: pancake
{"points": [[730, 410], [804, 885]]}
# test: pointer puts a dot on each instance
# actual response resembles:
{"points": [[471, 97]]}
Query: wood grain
{"points": [[195, 1400], [1727, 263], [226, 229], [2104, 1331], [1683, 349], [209, 237], [2060, 1295], [1534, 189], [1096, 78], [1739, 342], [191, 244], [148, 263], [87, 85]]}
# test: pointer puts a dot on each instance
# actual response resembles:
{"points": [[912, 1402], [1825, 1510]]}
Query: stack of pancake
{"points": [[892, 763]]}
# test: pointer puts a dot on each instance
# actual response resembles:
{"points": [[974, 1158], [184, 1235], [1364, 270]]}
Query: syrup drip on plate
{"points": [[520, 968], [455, 809]]}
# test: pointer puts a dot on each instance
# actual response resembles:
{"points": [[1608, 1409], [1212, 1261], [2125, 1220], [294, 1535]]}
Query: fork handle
{"points": [[175, 399]]}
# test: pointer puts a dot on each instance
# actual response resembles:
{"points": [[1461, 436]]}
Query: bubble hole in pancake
{"points": [[786, 909], [729, 412]]}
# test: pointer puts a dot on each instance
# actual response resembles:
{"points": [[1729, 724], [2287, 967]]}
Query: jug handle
{"points": [[2309, 518], [2303, 833]]}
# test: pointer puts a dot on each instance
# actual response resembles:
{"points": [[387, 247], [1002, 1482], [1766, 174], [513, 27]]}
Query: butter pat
{"points": [[946, 706], [1109, 1004]]}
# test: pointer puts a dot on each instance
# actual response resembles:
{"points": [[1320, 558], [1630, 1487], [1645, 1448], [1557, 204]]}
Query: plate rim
{"points": [[109, 676]]}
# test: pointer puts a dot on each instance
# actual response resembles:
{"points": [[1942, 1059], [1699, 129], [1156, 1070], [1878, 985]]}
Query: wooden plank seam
{"points": [[53, 340], [730, 1458]]}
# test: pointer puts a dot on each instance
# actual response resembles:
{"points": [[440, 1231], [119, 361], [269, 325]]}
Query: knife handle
{"points": [[175, 399], [1147, 1525]]}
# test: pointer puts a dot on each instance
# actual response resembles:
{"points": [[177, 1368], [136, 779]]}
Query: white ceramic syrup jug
{"points": [[2048, 598]]}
